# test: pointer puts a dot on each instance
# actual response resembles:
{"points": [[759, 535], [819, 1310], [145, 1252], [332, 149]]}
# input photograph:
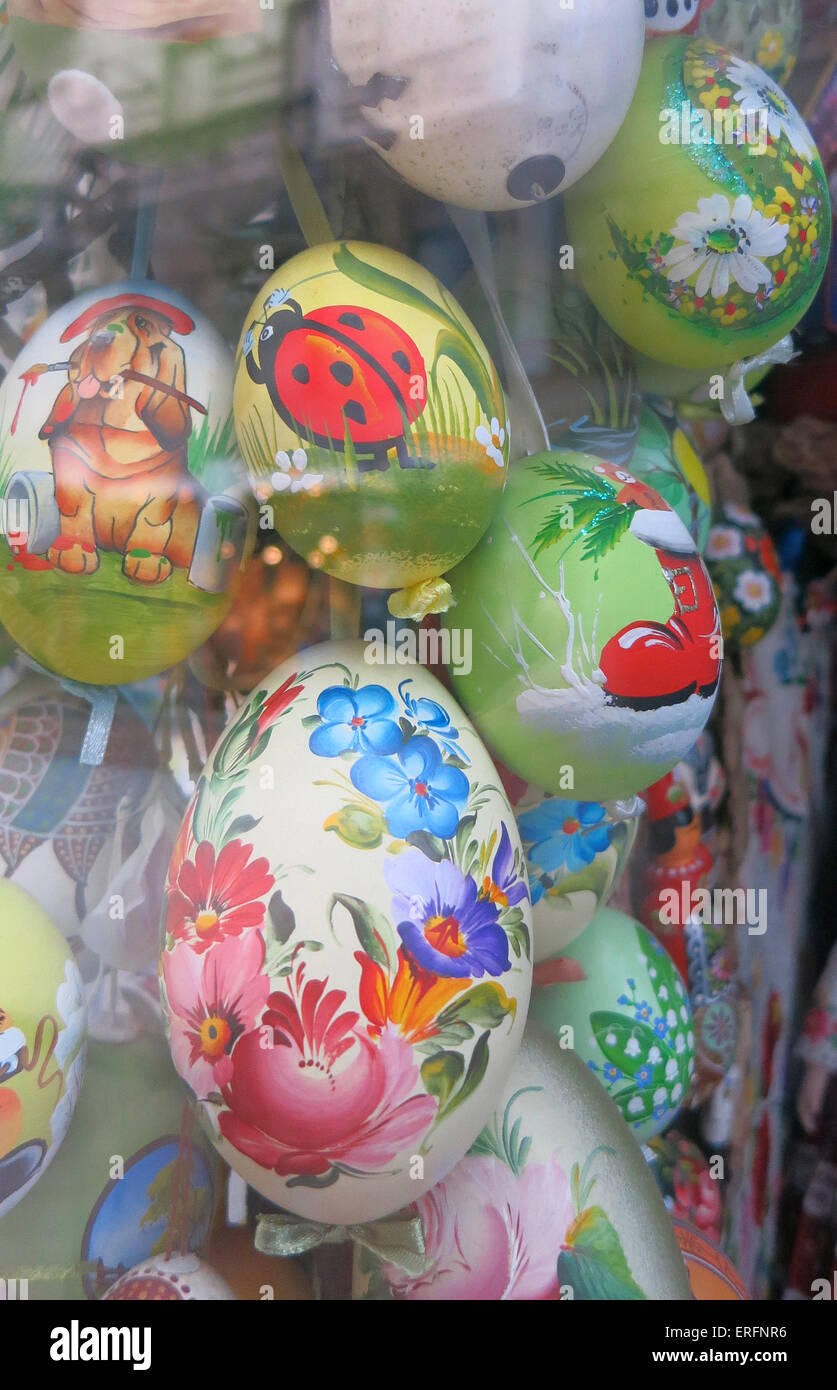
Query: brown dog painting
{"points": [[118, 433]]}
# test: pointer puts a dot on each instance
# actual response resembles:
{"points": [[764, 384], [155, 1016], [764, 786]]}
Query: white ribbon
{"points": [[736, 406]]}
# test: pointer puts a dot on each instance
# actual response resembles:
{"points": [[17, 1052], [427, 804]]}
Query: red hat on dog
{"points": [[180, 322]]}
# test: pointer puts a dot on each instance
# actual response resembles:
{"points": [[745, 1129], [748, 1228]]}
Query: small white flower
{"points": [[753, 590], [291, 474], [676, 1091], [671, 1069], [652, 971], [758, 92], [492, 440], [610, 1039], [660, 1096], [671, 1018], [740, 516], [684, 1014], [679, 1043], [632, 1048], [690, 1039], [662, 992], [719, 244], [724, 543], [655, 1056], [635, 1104]]}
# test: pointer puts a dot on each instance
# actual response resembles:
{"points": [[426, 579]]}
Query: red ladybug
{"points": [[337, 369]]}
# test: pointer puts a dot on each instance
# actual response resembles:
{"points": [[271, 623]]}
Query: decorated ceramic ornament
{"points": [[371, 415], [673, 16], [666, 459], [682, 1173], [712, 1277], [596, 638], [92, 1220], [576, 852], [515, 104], [151, 82], [42, 1042], [623, 998], [178, 1279], [553, 1201], [346, 963], [745, 572], [699, 247], [123, 524], [90, 843], [767, 32]]}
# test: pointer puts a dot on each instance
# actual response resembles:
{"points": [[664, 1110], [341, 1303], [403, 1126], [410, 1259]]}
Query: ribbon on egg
{"points": [[736, 406], [397, 1239]]}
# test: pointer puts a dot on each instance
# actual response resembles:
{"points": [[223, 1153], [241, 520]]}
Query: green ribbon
{"points": [[398, 1239]]}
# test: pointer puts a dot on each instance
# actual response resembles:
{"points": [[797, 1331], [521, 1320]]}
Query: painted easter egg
{"points": [[346, 962], [767, 32], [702, 235], [576, 852], [93, 1220], [123, 521], [673, 16], [90, 843], [682, 1173], [620, 993], [596, 638], [178, 1279], [515, 104], [42, 1042], [712, 1277], [552, 1201], [150, 82], [745, 572], [370, 414], [666, 459]]}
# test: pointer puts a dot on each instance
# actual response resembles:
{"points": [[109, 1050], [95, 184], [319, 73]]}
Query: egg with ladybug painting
{"points": [[703, 233], [125, 516], [370, 414]]}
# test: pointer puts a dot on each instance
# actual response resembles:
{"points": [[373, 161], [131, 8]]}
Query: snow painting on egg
{"points": [[596, 639], [346, 966]]}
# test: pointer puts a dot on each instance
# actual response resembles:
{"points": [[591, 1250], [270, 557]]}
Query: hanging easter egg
{"points": [[673, 16], [123, 524], [666, 459], [712, 1277], [42, 1042], [175, 1279], [74, 835], [702, 235], [150, 82], [767, 32], [682, 1173], [516, 104], [596, 638], [370, 414], [552, 1202], [620, 993], [744, 567], [93, 1221], [346, 962], [576, 852]]}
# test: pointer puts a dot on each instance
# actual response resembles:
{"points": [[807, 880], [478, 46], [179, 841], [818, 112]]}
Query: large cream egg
{"points": [[346, 965], [553, 1202], [490, 106]]}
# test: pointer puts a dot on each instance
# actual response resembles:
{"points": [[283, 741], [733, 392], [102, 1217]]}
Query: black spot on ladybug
{"points": [[342, 372], [536, 178], [301, 373], [353, 410], [351, 321], [401, 360]]}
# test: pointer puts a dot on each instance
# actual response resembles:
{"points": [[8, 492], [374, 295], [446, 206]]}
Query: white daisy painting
{"points": [[721, 243]]}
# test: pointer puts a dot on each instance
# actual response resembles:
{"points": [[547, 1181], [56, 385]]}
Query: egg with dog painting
{"points": [[595, 636], [152, 82], [616, 994], [346, 966], [43, 1026], [125, 512], [371, 416], [486, 106]]}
